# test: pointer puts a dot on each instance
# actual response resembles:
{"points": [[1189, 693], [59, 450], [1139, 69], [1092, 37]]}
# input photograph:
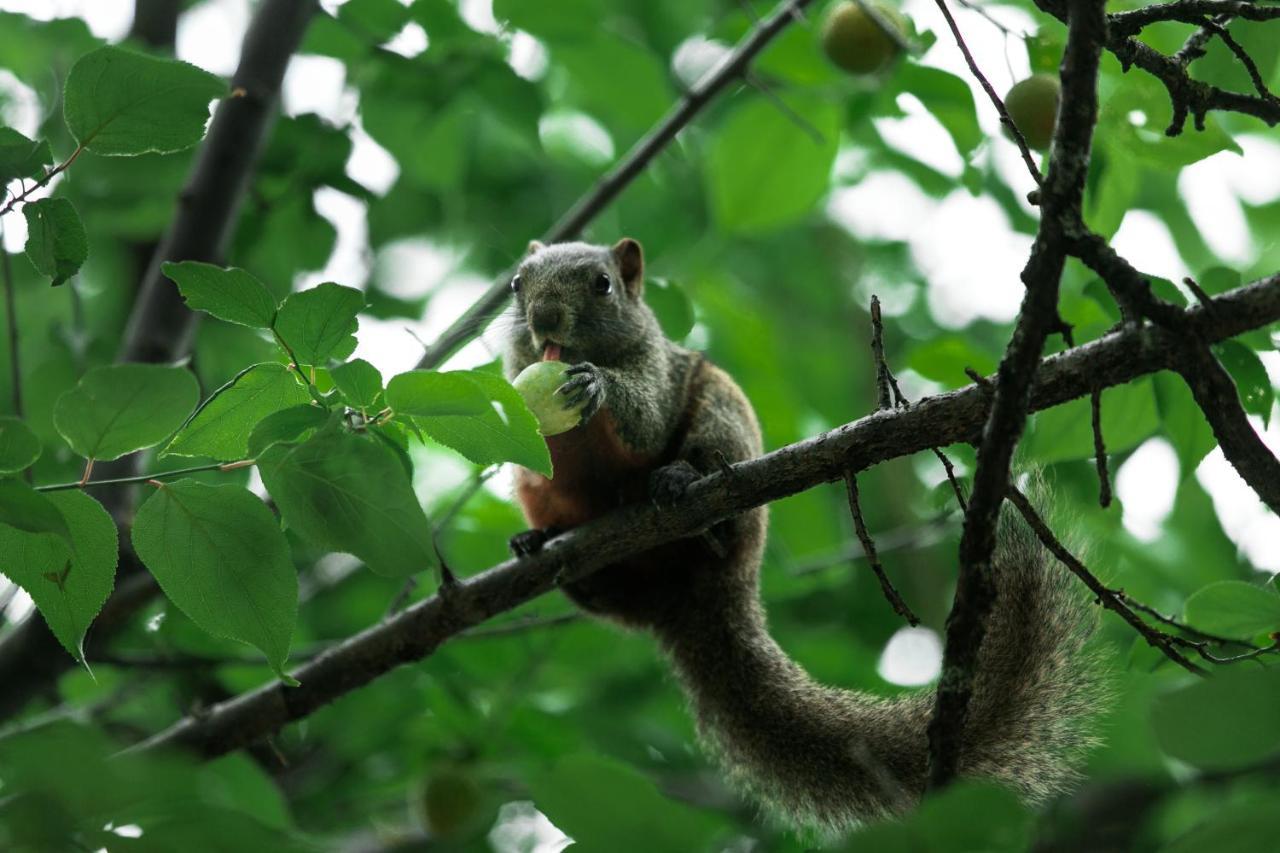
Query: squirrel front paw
{"points": [[669, 483], [585, 387], [531, 541]]}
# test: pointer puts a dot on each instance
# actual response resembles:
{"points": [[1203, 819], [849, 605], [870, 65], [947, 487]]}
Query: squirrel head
{"points": [[582, 302]]}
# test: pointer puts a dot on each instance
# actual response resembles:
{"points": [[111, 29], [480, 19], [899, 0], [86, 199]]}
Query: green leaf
{"points": [[1252, 382], [763, 171], [606, 805], [672, 305], [1217, 280], [68, 585], [228, 294], [349, 493], [1066, 432], [360, 383], [25, 509], [121, 103], [21, 157], [376, 20], [117, 409], [19, 446], [505, 431], [220, 428], [1234, 609], [320, 323], [948, 98], [290, 424], [429, 393], [1225, 721], [1184, 422], [944, 358], [1235, 827], [56, 241], [219, 555]]}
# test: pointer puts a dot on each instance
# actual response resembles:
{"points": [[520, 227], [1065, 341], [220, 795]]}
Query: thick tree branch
{"points": [[1062, 195], [1189, 12], [208, 206], [585, 209], [160, 326], [936, 421]]}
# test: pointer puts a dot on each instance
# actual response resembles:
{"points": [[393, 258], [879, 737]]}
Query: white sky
{"points": [[962, 244]]}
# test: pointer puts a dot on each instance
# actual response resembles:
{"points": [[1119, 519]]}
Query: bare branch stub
{"points": [[869, 549], [1100, 450]]}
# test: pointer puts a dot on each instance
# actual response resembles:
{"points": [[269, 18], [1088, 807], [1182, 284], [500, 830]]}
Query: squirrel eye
{"points": [[515, 284], [603, 285]]}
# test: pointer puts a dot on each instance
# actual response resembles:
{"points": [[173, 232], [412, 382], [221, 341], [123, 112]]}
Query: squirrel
{"points": [[657, 417]]}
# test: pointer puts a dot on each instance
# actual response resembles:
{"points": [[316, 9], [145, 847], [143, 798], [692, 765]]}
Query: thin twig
{"points": [[143, 478], [869, 548], [1005, 118], [1181, 626], [1106, 596], [1100, 450], [442, 524], [754, 81], [48, 176], [1243, 56], [886, 385]]}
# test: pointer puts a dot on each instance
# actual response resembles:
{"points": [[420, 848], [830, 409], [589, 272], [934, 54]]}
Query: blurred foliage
{"points": [[749, 264]]}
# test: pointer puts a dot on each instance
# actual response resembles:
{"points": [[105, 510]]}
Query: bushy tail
{"points": [[829, 758]]}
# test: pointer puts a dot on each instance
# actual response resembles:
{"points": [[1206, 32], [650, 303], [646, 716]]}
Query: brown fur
{"points": [[820, 756]]}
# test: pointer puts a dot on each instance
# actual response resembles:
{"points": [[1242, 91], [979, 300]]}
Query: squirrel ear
{"points": [[630, 259], [534, 248]]}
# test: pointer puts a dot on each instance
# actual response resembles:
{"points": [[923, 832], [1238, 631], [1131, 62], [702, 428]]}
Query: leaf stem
{"points": [[48, 176], [142, 478], [11, 310]]}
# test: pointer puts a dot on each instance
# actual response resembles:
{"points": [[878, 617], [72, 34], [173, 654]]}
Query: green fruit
{"points": [[449, 803], [863, 43], [1033, 106], [537, 384]]}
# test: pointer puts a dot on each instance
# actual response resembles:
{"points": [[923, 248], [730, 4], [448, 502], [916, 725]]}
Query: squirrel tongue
{"points": [[551, 352]]}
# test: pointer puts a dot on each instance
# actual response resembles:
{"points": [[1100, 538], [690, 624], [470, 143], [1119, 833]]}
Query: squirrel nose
{"points": [[546, 318]]}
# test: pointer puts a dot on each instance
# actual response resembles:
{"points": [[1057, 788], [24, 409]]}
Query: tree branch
{"points": [[733, 67], [1061, 198], [160, 327], [1189, 12], [1188, 96], [1211, 386], [936, 421]]}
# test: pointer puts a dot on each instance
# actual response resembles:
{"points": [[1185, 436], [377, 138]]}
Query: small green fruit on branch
{"points": [[863, 38], [1033, 105]]}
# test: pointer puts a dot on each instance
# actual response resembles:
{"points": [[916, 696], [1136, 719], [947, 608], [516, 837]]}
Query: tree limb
{"points": [[1062, 195], [935, 421], [1188, 96], [585, 209], [160, 327]]}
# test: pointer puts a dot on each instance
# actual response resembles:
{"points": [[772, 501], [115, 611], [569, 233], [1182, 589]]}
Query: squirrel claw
{"points": [[584, 388], [669, 483]]}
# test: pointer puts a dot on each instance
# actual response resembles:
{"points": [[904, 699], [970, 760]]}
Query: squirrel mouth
{"points": [[551, 351]]}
